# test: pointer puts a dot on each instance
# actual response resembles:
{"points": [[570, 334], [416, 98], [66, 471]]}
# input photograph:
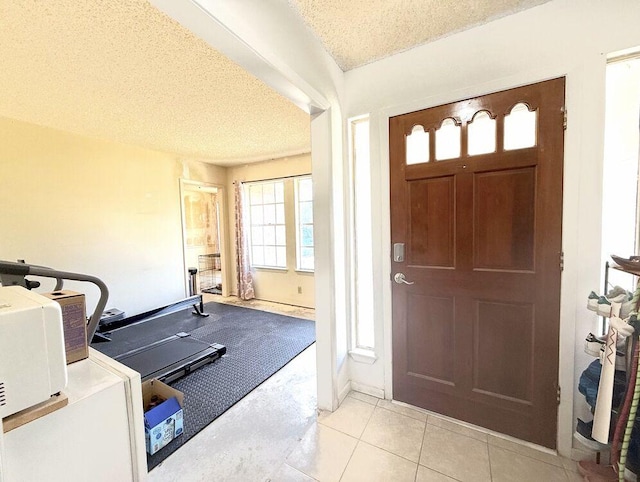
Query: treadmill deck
{"points": [[171, 358]]}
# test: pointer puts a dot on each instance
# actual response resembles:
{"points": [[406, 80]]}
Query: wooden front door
{"points": [[476, 200]]}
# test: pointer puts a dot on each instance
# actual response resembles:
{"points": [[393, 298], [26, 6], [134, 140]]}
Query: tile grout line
{"points": [[394, 454], [298, 470], [424, 432], [527, 456], [389, 451], [421, 444], [358, 440], [349, 461], [489, 460], [403, 414], [463, 434], [426, 466]]}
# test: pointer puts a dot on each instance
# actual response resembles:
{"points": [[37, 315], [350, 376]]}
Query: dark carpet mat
{"points": [[258, 345]]}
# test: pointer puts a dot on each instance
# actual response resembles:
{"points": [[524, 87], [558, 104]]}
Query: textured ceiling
{"points": [[124, 71], [121, 70], [356, 32]]}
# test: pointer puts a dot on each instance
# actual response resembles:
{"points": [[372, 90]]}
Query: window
{"points": [[362, 248], [304, 224], [267, 237], [481, 134], [520, 127], [620, 193], [417, 146], [448, 140]]}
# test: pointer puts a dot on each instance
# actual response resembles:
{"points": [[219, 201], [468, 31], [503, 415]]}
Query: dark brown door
{"points": [[475, 337]]}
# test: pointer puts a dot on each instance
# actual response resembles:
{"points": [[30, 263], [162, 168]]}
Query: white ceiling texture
{"points": [[124, 71]]}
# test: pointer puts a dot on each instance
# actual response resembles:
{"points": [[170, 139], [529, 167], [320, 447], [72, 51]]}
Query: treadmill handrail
{"points": [[24, 269]]}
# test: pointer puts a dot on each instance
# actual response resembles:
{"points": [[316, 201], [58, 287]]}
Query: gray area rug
{"points": [[258, 345]]}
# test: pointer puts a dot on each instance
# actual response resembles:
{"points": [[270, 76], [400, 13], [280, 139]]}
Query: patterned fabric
{"points": [[244, 278]]}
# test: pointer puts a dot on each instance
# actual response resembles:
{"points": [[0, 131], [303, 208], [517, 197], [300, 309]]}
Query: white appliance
{"points": [[104, 416], [32, 356]]}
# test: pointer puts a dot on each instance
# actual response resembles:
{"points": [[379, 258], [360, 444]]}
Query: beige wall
{"points": [[275, 285], [96, 207], [113, 211]]}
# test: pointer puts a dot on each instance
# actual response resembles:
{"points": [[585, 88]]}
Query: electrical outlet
{"points": [[299, 290]]}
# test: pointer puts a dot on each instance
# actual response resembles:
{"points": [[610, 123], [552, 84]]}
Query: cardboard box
{"points": [[74, 323], [164, 421]]}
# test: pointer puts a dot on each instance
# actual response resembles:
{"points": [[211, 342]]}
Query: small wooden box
{"points": [[74, 321]]}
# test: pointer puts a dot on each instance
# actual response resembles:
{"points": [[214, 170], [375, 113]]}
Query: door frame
{"points": [[567, 303], [222, 232]]}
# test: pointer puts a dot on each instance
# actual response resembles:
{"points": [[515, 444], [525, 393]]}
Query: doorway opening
{"points": [[203, 236]]}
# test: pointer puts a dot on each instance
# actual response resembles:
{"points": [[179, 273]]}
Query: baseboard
{"points": [[369, 390], [342, 394], [578, 454]]}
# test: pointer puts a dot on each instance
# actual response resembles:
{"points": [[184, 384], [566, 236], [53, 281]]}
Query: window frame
{"points": [[299, 225], [362, 334], [252, 226]]}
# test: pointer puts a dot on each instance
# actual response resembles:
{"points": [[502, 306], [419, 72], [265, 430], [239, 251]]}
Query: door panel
{"points": [[497, 325], [436, 365], [504, 211], [476, 336], [432, 206]]}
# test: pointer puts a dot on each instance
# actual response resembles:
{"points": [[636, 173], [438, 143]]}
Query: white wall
{"points": [[95, 207], [280, 286], [562, 38]]}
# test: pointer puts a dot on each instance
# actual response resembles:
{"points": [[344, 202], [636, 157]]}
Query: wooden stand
{"points": [[33, 413]]}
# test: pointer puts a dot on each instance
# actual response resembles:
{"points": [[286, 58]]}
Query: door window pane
{"points": [[417, 146], [481, 134], [520, 128], [448, 140]]}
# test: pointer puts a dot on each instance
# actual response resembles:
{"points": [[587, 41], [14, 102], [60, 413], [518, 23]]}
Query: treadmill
{"points": [[171, 358], [166, 360]]}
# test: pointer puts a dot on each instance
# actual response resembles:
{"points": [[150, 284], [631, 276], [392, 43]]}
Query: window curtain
{"points": [[244, 278]]}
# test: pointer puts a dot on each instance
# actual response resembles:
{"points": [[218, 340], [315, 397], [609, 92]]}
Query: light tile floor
{"points": [[368, 439], [274, 434]]}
